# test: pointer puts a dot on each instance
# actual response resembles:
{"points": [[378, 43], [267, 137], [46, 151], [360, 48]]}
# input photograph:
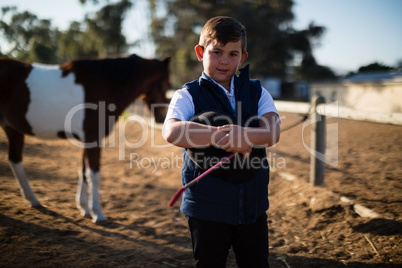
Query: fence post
{"points": [[318, 135]]}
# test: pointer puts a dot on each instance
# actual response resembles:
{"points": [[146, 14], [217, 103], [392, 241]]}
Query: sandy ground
{"points": [[309, 226]]}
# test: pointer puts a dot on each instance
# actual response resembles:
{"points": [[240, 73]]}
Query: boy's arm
{"points": [[268, 132], [188, 134], [239, 139]]}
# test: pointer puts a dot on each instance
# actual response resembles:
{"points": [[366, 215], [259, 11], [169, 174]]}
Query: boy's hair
{"points": [[223, 30]]}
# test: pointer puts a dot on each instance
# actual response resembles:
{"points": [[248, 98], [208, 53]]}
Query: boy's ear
{"points": [[244, 56], [199, 50]]}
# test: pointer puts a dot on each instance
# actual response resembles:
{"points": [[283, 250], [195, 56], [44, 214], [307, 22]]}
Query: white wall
{"points": [[383, 97]]}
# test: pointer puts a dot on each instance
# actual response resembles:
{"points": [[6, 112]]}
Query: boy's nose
{"points": [[224, 60]]}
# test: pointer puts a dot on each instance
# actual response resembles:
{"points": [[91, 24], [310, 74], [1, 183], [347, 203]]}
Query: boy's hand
{"points": [[235, 140]]}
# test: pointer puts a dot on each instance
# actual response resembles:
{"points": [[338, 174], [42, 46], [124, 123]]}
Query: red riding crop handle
{"points": [[181, 189]]}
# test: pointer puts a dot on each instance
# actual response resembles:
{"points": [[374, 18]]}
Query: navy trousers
{"points": [[212, 242]]}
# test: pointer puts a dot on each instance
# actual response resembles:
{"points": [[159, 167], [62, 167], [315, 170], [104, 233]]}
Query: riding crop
{"points": [[183, 188]]}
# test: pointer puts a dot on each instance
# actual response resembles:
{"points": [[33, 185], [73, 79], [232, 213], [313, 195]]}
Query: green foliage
{"points": [[29, 38], [75, 43], [102, 35], [34, 39], [374, 67], [106, 27]]}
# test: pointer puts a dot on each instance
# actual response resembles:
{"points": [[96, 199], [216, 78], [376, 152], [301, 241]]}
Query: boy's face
{"points": [[221, 62]]}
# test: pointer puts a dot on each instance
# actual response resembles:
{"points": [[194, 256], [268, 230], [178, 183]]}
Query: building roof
{"points": [[375, 77]]}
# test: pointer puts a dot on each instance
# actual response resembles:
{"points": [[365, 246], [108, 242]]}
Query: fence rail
{"points": [[333, 110]]}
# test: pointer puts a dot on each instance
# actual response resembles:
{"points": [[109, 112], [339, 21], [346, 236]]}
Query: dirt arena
{"points": [[309, 226]]}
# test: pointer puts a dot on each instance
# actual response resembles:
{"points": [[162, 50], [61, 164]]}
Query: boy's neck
{"points": [[227, 88]]}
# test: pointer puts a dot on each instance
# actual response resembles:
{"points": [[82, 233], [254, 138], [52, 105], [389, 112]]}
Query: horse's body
{"points": [[62, 101]]}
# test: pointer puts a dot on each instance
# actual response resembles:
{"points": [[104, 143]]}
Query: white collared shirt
{"points": [[182, 106]]}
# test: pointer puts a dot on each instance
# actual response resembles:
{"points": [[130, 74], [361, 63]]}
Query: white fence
{"points": [[335, 110]]}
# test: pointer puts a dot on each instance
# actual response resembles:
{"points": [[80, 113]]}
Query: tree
{"points": [[272, 42], [374, 67], [35, 39], [74, 43], [106, 27], [29, 38], [102, 34]]}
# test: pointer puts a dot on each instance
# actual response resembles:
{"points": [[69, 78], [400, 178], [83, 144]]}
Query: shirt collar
{"points": [[231, 93]]}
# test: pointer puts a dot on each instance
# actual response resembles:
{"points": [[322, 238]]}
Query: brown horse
{"points": [[64, 101]]}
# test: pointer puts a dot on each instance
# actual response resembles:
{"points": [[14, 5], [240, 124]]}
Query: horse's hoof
{"points": [[100, 219], [84, 212], [36, 204]]}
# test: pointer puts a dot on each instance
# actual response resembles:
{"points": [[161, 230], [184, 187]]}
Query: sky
{"points": [[358, 32]]}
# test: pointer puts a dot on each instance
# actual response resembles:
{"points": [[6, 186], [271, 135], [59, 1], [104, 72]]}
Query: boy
{"points": [[223, 214]]}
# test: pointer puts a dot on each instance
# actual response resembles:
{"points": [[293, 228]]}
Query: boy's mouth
{"points": [[223, 71]]}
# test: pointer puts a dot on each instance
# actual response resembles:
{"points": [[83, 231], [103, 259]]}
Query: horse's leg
{"points": [[15, 146], [81, 198], [93, 176]]}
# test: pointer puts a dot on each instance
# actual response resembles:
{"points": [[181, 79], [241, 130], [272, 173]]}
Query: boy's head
{"points": [[222, 49], [223, 30]]}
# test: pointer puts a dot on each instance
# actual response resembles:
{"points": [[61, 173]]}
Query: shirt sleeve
{"points": [[181, 106], [266, 103]]}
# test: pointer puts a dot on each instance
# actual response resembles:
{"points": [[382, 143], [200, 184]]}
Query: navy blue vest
{"points": [[213, 198]]}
